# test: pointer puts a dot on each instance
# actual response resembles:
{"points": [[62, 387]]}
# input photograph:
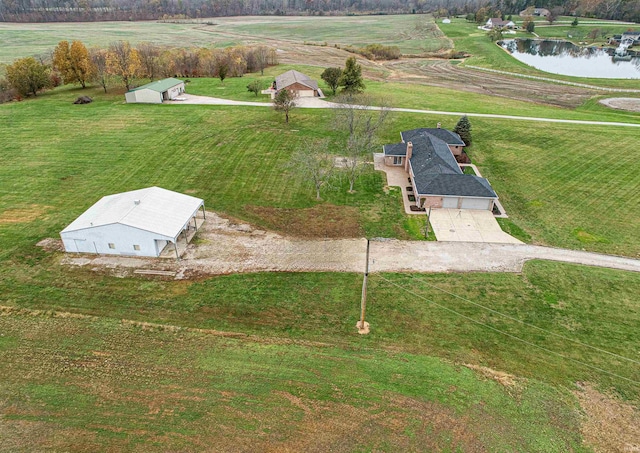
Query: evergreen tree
{"points": [[463, 129], [351, 79]]}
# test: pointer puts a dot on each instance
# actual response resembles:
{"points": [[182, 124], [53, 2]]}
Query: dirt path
{"points": [[225, 247]]}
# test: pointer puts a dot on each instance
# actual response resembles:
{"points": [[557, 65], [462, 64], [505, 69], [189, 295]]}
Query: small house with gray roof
{"points": [[298, 83], [155, 92], [428, 157]]}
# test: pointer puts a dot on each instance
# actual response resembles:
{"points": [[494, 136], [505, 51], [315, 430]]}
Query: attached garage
{"points": [[450, 202], [476, 203], [155, 92], [136, 223]]}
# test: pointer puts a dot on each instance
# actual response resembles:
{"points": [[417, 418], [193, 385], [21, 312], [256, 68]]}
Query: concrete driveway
{"points": [[468, 225]]}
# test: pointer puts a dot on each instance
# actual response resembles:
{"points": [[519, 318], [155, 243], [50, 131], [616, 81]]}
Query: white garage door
{"points": [[476, 203], [450, 202]]}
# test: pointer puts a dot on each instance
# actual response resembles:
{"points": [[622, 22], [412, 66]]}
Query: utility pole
{"points": [[362, 325]]}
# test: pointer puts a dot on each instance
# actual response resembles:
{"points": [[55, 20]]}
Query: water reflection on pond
{"points": [[562, 57]]}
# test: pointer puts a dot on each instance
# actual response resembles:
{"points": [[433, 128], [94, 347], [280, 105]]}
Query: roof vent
{"points": [[136, 202]]}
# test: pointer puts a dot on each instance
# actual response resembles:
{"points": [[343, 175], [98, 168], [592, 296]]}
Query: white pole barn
{"points": [[137, 223], [155, 92]]}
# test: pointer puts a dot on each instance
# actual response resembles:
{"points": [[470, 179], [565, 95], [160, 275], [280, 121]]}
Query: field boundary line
{"points": [[6, 310], [549, 79]]}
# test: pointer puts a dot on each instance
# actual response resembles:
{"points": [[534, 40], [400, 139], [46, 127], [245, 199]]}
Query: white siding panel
{"points": [[175, 91], [476, 203], [147, 96], [97, 239]]}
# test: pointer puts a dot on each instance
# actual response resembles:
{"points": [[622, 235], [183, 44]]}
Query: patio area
{"points": [[397, 176]]}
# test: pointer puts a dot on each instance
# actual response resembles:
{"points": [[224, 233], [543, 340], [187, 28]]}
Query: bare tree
{"points": [[262, 58], [101, 74], [312, 162], [361, 121], [149, 54], [284, 101]]}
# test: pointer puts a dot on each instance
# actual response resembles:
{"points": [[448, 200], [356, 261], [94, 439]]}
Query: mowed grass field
{"points": [[412, 33], [564, 185], [292, 374]]}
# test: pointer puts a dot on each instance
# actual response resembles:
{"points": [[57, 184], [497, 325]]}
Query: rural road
{"points": [[314, 103], [225, 247]]}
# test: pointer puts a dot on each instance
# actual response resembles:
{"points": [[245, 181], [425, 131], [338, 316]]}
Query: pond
{"points": [[565, 58]]}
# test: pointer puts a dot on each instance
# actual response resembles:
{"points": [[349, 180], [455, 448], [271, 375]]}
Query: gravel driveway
{"points": [[224, 247]]}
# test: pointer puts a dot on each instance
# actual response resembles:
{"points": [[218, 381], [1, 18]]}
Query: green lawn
{"points": [[303, 364], [564, 185], [187, 391]]}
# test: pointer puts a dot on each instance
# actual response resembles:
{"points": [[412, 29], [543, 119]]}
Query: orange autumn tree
{"points": [[73, 62], [123, 61]]}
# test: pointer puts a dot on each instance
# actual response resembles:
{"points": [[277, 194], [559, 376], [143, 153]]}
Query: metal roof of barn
{"points": [[153, 209], [159, 85]]}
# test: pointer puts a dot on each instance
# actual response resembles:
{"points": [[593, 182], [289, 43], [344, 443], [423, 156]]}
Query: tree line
{"points": [[119, 10], [123, 64]]}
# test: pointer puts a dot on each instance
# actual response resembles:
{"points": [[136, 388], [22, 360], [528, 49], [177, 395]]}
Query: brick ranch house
{"points": [[296, 82], [428, 157]]}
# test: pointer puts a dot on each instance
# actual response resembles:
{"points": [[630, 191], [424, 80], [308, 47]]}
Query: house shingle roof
{"points": [[396, 149], [447, 136], [290, 77], [435, 169], [459, 185]]}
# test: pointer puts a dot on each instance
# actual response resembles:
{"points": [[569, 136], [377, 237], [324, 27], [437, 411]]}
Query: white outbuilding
{"points": [[138, 223], [156, 92]]}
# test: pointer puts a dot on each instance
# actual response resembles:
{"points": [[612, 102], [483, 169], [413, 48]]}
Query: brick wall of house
{"points": [[388, 161], [455, 150], [434, 202], [302, 90]]}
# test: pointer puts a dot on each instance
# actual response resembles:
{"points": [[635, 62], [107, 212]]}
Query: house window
{"points": [[397, 160], [112, 245], [136, 247]]}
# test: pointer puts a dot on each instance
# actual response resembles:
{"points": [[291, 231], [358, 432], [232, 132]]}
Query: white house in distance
{"points": [[137, 223], [156, 92]]}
